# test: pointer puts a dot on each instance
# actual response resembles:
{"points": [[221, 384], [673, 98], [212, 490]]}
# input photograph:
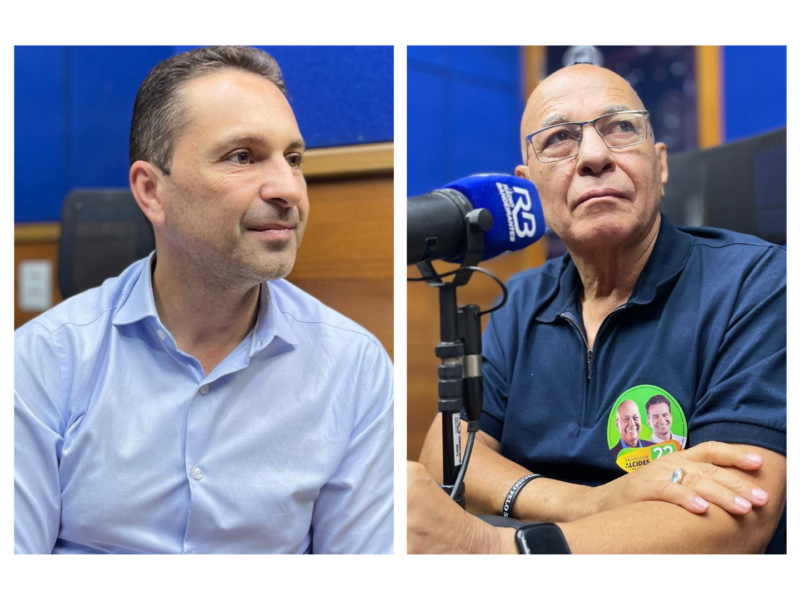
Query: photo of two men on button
{"points": [[596, 300]]}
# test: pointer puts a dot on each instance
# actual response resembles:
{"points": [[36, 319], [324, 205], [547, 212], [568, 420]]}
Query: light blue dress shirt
{"points": [[123, 444]]}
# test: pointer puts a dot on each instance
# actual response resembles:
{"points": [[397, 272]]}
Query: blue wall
{"points": [[73, 107], [464, 106], [755, 90]]}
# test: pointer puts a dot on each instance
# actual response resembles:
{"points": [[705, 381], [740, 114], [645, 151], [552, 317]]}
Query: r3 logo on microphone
{"points": [[517, 204], [437, 221]]}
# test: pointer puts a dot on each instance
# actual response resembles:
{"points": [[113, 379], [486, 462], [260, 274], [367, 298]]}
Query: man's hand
{"points": [[491, 475], [704, 482], [437, 525], [662, 527]]}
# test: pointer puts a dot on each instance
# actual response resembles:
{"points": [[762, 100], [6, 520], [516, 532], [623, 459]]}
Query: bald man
{"points": [[636, 307], [629, 424]]}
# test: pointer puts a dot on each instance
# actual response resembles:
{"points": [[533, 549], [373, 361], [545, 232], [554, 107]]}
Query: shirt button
{"points": [[197, 474], [161, 334], [204, 389]]}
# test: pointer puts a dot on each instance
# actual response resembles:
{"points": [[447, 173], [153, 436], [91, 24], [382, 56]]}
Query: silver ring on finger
{"points": [[677, 475]]}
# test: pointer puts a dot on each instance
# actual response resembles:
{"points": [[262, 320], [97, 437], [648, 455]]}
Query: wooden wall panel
{"points": [[34, 250], [346, 259], [423, 332], [710, 112], [350, 231]]}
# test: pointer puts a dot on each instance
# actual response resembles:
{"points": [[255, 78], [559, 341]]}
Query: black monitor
{"points": [[740, 186]]}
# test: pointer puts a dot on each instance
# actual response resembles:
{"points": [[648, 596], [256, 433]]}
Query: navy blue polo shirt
{"points": [[706, 322]]}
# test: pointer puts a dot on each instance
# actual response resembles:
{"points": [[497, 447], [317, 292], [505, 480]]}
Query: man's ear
{"points": [[147, 185], [661, 154], [522, 171]]}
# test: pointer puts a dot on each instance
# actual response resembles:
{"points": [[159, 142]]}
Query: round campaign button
{"points": [[645, 423]]}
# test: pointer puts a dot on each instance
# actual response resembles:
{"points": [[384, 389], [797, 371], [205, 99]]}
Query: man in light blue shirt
{"points": [[199, 403]]}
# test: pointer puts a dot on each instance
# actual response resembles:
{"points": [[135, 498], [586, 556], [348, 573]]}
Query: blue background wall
{"points": [[464, 107], [755, 90], [73, 106]]}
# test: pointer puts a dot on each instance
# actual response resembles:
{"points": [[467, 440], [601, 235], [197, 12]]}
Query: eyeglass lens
{"points": [[563, 141]]}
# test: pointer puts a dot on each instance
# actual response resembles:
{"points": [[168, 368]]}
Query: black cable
{"points": [[438, 275], [479, 270], [463, 471]]}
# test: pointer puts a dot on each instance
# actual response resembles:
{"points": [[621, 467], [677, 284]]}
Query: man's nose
{"points": [[594, 157], [282, 184]]}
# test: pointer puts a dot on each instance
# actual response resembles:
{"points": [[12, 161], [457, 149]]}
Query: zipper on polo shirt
{"points": [[590, 351], [566, 317]]}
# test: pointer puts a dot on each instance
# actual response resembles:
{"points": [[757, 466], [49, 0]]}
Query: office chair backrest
{"points": [[102, 233], [740, 186]]}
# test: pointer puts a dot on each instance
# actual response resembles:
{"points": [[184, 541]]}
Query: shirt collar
{"points": [[270, 322], [624, 445], [139, 303], [669, 256]]}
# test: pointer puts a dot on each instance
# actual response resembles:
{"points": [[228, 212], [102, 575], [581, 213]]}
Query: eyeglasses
{"points": [[562, 141]]}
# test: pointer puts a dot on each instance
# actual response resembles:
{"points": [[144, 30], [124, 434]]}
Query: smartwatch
{"points": [[541, 538]]}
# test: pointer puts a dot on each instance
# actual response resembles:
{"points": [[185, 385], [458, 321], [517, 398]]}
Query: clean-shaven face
{"points": [[629, 422], [660, 420], [601, 196]]}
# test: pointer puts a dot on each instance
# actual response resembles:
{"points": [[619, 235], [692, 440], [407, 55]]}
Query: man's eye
{"points": [[241, 157], [295, 160], [559, 136], [620, 128]]}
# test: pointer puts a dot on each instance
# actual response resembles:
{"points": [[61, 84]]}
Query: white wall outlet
{"points": [[35, 285]]}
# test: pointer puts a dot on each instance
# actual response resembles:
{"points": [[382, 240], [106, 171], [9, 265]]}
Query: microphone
{"points": [[439, 222]]}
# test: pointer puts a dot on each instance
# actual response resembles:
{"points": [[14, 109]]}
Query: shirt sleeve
{"points": [[354, 512], [38, 438], [745, 401], [495, 379]]}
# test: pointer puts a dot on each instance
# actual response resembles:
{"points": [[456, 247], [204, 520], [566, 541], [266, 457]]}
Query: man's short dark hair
{"points": [[659, 399], [158, 113]]}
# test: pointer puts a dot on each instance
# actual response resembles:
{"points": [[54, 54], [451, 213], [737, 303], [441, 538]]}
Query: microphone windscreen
{"points": [[515, 206]]}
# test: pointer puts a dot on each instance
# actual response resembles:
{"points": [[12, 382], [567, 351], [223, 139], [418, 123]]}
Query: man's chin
{"points": [[275, 269], [267, 264], [272, 274], [606, 230]]}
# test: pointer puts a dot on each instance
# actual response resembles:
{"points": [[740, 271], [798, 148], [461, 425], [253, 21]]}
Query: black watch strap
{"points": [[541, 538]]}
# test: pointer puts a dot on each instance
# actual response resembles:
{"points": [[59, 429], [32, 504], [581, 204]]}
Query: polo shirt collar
{"points": [[270, 324], [665, 264], [669, 256]]}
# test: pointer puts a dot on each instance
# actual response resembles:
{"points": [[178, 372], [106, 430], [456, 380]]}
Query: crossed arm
{"points": [[624, 515]]}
